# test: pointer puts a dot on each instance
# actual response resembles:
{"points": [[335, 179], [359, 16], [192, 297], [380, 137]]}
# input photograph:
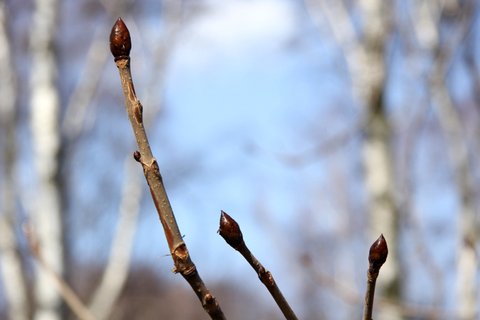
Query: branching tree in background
{"points": [[443, 48], [426, 38]]}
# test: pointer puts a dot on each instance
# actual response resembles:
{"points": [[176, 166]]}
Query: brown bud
{"points": [[137, 156], [378, 253], [120, 43], [230, 230]]}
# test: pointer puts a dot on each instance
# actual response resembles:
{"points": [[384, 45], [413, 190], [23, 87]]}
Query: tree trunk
{"points": [[12, 276], [377, 147], [45, 213]]}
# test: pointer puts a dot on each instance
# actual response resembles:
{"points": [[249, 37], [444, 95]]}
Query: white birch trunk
{"points": [[366, 63], [369, 77], [45, 213], [12, 276]]}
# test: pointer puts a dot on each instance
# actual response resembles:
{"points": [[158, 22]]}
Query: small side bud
{"points": [[137, 156], [120, 43], [230, 230], [378, 253]]}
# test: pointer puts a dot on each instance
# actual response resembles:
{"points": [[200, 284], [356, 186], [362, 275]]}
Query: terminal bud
{"points": [[120, 43]]}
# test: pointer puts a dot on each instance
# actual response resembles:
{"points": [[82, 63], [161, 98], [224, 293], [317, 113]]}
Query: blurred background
{"points": [[316, 124]]}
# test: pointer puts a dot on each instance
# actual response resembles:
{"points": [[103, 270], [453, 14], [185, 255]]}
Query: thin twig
{"points": [[376, 258], [120, 45], [66, 292], [230, 231], [116, 271]]}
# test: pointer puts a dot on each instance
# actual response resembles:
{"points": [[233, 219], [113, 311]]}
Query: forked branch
{"points": [[230, 231], [120, 45]]}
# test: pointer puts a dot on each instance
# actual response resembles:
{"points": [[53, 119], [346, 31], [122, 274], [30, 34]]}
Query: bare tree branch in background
{"points": [[473, 63], [45, 108], [345, 291], [13, 277], [343, 288], [326, 147], [78, 104], [366, 60], [452, 126], [77, 107], [57, 282], [377, 149], [172, 12], [116, 271]]}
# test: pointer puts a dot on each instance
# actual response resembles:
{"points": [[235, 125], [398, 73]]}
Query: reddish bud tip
{"points": [[120, 43], [137, 156], [230, 230], [378, 253]]}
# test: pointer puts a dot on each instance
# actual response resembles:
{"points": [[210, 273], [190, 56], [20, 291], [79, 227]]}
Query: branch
{"points": [[120, 45], [376, 258], [230, 231], [66, 292], [116, 271], [79, 101]]}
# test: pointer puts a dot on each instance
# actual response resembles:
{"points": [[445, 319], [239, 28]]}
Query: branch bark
{"points": [[120, 45]]}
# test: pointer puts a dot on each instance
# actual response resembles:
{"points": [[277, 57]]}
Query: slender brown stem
{"points": [[230, 231], [120, 45], [376, 258], [371, 280]]}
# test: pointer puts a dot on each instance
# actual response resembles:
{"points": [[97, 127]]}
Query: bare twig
{"points": [[116, 271], [459, 152], [230, 231], [66, 292], [376, 258], [120, 45], [77, 107]]}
